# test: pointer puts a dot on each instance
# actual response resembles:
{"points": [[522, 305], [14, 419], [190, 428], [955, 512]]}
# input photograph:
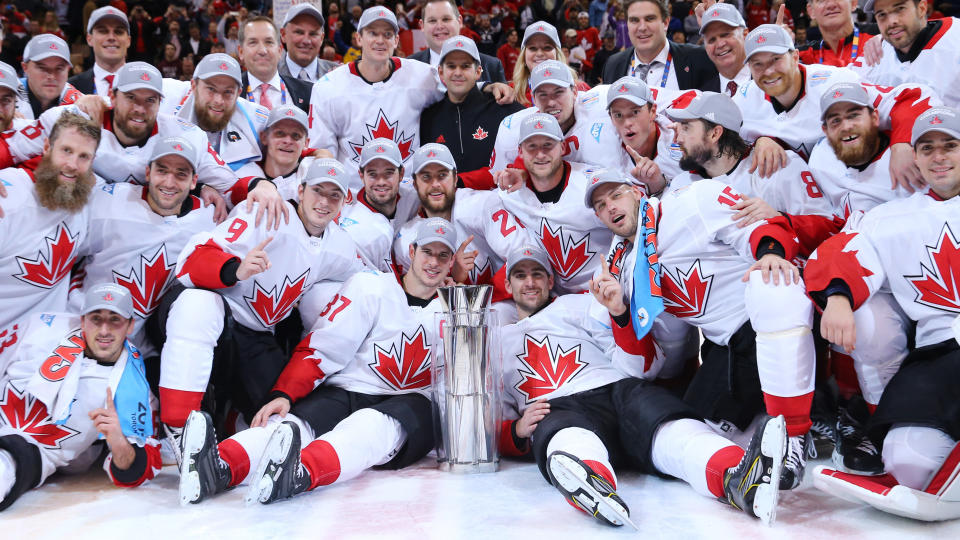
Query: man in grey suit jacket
{"points": [[441, 20], [302, 34]]}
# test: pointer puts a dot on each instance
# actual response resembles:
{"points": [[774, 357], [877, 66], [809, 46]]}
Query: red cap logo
{"points": [[380, 149], [382, 14], [546, 73], [108, 297], [441, 230], [178, 148], [145, 77], [716, 13], [538, 125], [332, 172], [223, 66], [837, 94], [623, 88], [289, 112], [459, 44], [431, 153], [683, 101], [761, 39], [936, 120], [527, 253], [53, 46]]}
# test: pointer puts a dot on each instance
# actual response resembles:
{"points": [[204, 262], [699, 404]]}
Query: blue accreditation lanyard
{"points": [[283, 94], [666, 69], [853, 49]]}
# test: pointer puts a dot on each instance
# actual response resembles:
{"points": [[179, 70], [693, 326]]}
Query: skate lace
{"points": [[866, 446], [794, 460]]}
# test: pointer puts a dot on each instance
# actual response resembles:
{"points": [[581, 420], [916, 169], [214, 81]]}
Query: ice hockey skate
{"points": [[202, 472], [753, 485], [280, 475], [587, 490]]}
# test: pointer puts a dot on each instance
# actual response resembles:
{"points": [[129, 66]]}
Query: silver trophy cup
{"points": [[467, 381]]}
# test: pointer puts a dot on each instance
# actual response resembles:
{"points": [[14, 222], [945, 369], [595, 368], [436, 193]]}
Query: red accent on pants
{"points": [[321, 462], [727, 457], [236, 457], [176, 405], [796, 411]]}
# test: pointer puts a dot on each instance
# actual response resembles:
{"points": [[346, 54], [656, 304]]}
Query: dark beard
{"points": [[695, 160], [443, 208], [56, 196], [861, 153], [208, 124]]}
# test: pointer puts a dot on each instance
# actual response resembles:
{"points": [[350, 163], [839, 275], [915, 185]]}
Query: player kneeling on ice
{"points": [[353, 396], [907, 247], [69, 383], [573, 366]]}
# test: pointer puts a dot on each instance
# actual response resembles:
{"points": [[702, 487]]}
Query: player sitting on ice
{"points": [[353, 396], [908, 247], [69, 383], [597, 412]]}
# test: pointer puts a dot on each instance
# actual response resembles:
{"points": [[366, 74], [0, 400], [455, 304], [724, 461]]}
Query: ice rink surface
{"points": [[422, 502]]}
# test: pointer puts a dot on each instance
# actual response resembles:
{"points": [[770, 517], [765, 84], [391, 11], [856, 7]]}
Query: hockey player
{"points": [[242, 280], [914, 50], [843, 38], [784, 100], [758, 345], [45, 222], [907, 246], [69, 382], [343, 404], [157, 219], [488, 232], [9, 90], [550, 204], [46, 66], [378, 96], [598, 412]]}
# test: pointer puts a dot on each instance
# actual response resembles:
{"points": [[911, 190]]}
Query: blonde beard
{"points": [[55, 195]]}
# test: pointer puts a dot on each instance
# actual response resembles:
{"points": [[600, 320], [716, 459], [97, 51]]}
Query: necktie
{"points": [[641, 71], [731, 88], [646, 302], [109, 79], [264, 100], [304, 76]]}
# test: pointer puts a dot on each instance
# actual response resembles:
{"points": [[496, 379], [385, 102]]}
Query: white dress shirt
{"points": [[273, 91], [655, 75], [295, 69]]}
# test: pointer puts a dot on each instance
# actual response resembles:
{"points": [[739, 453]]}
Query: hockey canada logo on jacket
{"points": [[568, 256], [53, 261], [408, 369], [383, 128], [938, 285], [546, 369], [28, 415], [686, 294], [148, 282], [273, 306]]}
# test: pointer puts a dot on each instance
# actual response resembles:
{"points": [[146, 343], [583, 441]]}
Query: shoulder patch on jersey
{"points": [[47, 318], [6, 183], [346, 222], [107, 188], [591, 97], [184, 124], [507, 121], [595, 130], [676, 153], [819, 78]]}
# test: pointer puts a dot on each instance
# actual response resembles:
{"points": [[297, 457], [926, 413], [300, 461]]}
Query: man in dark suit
{"points": [[108, 34], [259, 51], [196, 44], [658, 63], [440, 21], [302, 33]]}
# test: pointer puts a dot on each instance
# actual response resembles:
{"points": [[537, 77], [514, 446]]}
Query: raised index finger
{"points": [[780, 14], [464, 244], [264, 243], [110, 406]]}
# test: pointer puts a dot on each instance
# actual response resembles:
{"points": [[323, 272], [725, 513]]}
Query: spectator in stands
{"points": [[142, 32], [169, 64], [508, 52], [197, 45], [540, 42]]}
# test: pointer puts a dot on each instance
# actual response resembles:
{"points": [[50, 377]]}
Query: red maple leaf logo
{"points": [[270, 307], [410, 369], [480, 274], [936, 120], [28, 415], [480, 134], [546, 371], [937, 285], [623, 88], [440, 139], [761, 39], [383, 128], [8, 337], [147, 283], [145, 77], [568, 256], [53, 262], [837, 94], [687, 294]]}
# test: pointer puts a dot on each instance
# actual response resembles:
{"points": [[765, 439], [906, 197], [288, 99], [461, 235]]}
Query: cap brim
{"points": [[388, 21], [556, 82], [11, 86], [680, 114], [364, 163], [108, 307], [432, 239], [448, 53], [548, 135], [325, 180], [437, 161], [205, 76], [308, 12], [731, 24], [548, 268], [174, 153], [952, 132], [775, 49], [588, 196], [138, 86], [631, 98], [278, 120], [93, 24], [45, 55], [839, 101], [549, 36]]}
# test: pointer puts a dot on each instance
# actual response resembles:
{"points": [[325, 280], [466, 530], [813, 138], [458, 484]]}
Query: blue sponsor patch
{"points": [[507, 121], [819, 78], [675, 152], [6, 183], [590, 97], [108, 188], [595, 130], [346, 222], [47, 318]]}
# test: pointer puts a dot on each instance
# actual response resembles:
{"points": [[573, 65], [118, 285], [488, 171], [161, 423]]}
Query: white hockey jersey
{"points": [[38, 247], [298, 261], [239, 142], [703, 254], [47, 337], [800, 128], [908, 246], [131, 245], [408, 204], [369, 340], [569, 347], [496, 233], [937, 65], [573, 235], [371, 232], [346, 112], [68, 95], [117, 163]]}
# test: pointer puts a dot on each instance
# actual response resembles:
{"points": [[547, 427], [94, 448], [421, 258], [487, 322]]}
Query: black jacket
{"points": [[468, 129], [690, 62], [492, 68], [83, 81], [299, 91]]}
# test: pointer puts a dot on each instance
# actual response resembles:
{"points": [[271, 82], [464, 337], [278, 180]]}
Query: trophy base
{"points": [[468, 468]]}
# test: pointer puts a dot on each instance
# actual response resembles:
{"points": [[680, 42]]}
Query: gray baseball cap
{"points": [[287, 112], [544, 28], [45, 46], [462, 44], [551, 72], [137, 75], [326, 170], [432, 153], [631, 89], [8, 77], [599, 178], [218, 64], [768, 38], [303, 9], [175, 146], [437, 229], [107, 12], [943, 119], [540, 124], [711, 106], [845, 92], [381, 149], [723, 13], [377, 13], [529, 253], [110, 296]]}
